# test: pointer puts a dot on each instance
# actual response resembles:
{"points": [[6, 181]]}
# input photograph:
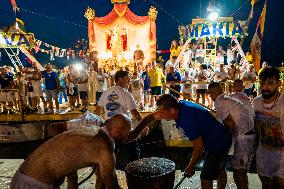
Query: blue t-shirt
{"points": [[6, 80], [146, 81], [50, 80], [195, 121], [175, 77]]}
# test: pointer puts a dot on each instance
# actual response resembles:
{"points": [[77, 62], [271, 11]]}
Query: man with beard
{"points": [[269, 123]]}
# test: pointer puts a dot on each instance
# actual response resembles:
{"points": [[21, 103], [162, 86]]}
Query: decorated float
{"points": [[122, 38]]}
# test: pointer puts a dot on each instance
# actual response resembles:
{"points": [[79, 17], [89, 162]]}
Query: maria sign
{"points": [[218, 29], [14, 40]]}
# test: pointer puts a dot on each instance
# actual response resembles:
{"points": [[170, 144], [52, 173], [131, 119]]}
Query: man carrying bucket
{"points": [[204, 131]]}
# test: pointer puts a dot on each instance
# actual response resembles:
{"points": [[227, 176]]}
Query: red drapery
{"points": [[121, 10]]}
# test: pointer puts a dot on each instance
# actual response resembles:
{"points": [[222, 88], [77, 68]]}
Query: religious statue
{"points": [[138, 56]]}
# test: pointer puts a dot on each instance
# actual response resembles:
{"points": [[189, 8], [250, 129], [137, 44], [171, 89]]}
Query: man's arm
{"points": [[142, 125], [57, 128], [136, 114], [99, 110], [107, 171], [229, 122], [198, 148]]}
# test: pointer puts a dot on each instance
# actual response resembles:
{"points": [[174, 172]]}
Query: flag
{"points": [[252, 7], [261, 21], [14, 5], [255, 48], [255, 45]]}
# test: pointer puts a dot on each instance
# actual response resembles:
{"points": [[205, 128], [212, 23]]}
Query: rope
{"points": [[53, 18], [89, 176], [178, 21], [239, 8]]}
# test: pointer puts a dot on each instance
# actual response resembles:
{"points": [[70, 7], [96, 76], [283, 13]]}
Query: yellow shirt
{"points": [[175, 51], [249, 58], [156, 76]]}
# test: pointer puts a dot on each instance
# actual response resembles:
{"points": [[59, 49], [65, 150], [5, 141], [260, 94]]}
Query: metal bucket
{"points": [[150, 173]]}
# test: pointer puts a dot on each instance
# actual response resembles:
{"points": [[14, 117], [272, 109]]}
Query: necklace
{"points": [[274, 103]]}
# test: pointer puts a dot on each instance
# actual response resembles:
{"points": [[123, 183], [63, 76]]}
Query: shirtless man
{"points": [[64, 154]]}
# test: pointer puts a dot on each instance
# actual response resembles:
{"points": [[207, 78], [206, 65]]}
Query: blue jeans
{"points": [[63, 92]]}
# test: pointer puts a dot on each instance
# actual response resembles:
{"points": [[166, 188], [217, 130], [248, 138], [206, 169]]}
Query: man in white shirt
{"points": [[249, 78], [269, 124], [240, 120], [83, 88], [118, 99]]}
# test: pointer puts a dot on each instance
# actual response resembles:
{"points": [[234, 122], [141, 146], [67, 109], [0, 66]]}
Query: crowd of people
{"points": [[81, 85]]}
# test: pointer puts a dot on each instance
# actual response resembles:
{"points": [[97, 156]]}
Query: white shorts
{"points": [[244, 150], [21, 181], [37, 89], [137, 95]]}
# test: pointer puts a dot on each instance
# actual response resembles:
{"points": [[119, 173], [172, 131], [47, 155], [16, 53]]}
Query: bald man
{"points": [[64, 154]]}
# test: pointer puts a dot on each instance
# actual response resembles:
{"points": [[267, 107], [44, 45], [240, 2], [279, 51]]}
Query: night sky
{"points": [[61, 22]]}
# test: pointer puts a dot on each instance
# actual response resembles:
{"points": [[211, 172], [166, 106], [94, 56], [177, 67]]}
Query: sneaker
{"points": [[49, 112]]}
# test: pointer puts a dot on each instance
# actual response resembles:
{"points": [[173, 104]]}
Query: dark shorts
{"points": [[248, 92], [213, 165], [156, 90], [98, 96], [201, 91], [73, 92], [83, 94]]}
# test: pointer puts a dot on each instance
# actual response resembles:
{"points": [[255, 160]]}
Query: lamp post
{"points": [[213, 11]]}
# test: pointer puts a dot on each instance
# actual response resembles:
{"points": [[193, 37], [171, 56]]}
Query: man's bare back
{"points": [[64, 154]]}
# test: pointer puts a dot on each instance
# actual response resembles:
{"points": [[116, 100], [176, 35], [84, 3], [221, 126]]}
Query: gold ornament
{"points": [[120, 1], [152, 13], [90, 13]]}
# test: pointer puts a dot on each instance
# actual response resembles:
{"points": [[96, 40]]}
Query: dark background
{"points": [[61, 23]]}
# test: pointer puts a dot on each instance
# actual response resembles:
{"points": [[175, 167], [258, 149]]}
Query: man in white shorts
{"points": [[240, 120]]}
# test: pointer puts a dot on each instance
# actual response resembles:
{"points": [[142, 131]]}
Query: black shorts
{"points": [[73, 92], [83, 94], [156, 90], [201, 91], [213, 165]]}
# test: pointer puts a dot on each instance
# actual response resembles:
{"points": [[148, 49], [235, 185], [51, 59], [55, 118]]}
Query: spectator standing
{"points": [[249, 78], [174, 77], [6, 82], [101, 83], [156, 77], [52, 87], [201, 88], [136, 88], [83, 87], [72, 89], [62, 80], [145, 79]]}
